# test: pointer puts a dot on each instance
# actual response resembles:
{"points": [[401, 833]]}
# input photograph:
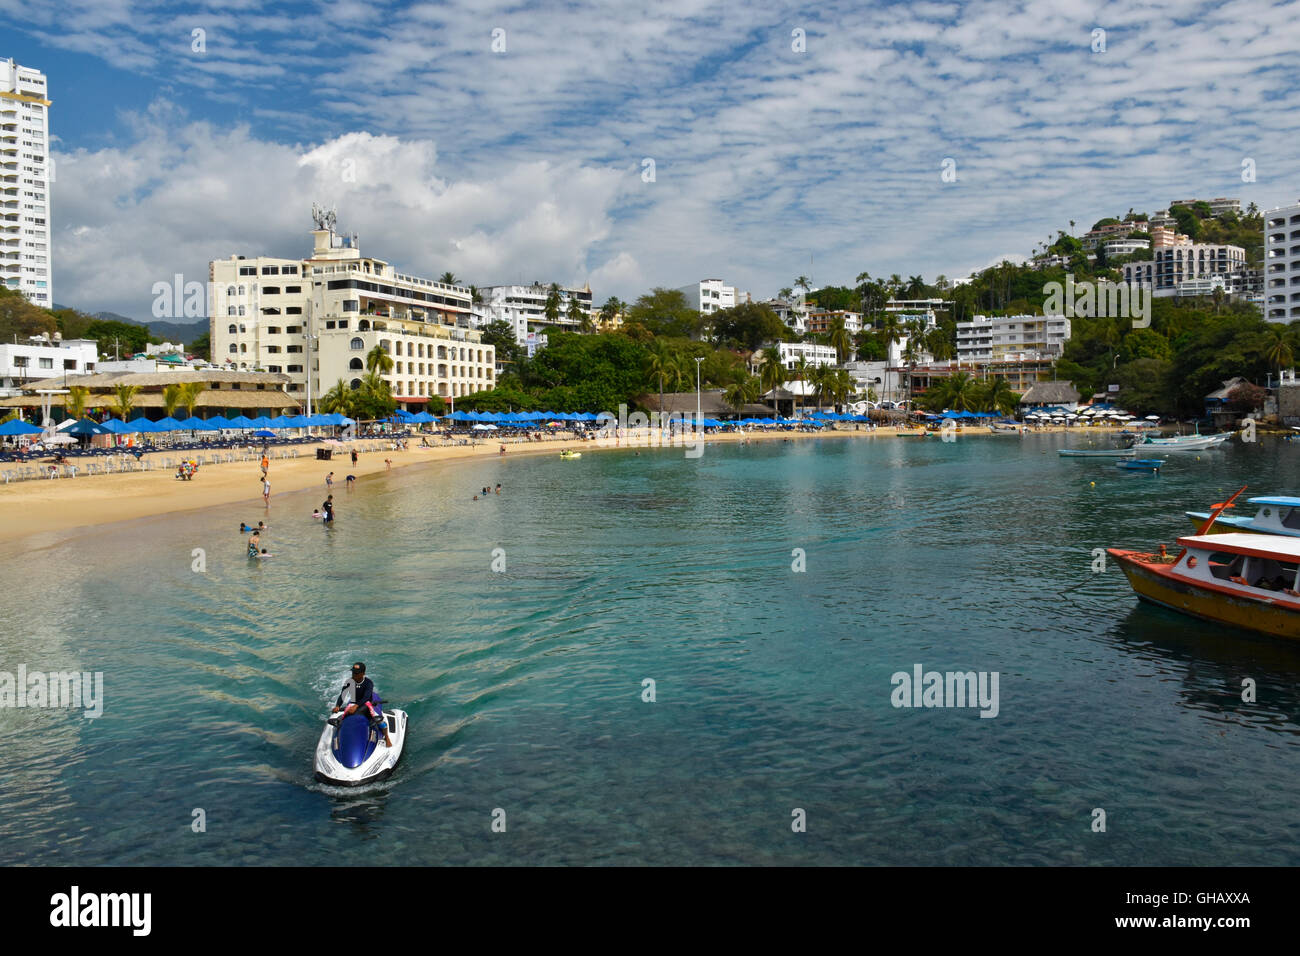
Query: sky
{"points": [[593, 142]]}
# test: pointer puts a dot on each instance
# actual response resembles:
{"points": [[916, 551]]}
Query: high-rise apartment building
{"points": [[1282, 263], [25, 177]]}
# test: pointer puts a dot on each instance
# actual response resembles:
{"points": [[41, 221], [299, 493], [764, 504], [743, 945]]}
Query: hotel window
{"points": [[241, 290], [270, 290], [358, 343], [233, 347], [292, 289], [241, 312], [270, 270]]}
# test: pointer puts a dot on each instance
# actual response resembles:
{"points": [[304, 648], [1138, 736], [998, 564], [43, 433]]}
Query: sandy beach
{"points": [[40, 507]]}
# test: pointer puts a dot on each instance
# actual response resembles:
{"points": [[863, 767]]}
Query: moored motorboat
{"points": [[1245, 580], [1187, 442], [1279, 515], [570, 454]]}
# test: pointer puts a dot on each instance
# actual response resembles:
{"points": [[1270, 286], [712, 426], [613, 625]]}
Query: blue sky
{"points": [[527, 163]]}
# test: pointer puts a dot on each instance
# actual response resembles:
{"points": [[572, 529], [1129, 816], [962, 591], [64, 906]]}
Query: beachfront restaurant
{"points": [[228, 394]]}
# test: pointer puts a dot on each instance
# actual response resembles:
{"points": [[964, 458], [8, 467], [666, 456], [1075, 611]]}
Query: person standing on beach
{"points": [[388, 462], [354, 456], [266, 490], [266, 465], [329, 480]]}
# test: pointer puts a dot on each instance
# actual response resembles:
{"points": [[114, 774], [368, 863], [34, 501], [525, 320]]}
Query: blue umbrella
{"points": [[19, 427], [241, 421], [167, 424], [86, 426], [218, 421], [195, 424], [264, 433]]}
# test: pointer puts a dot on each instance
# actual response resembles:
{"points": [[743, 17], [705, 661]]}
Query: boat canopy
{"points": [[1255, 545], [1277, 502]]}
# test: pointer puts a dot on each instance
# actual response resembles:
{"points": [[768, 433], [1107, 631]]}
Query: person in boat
{"points": [[359, 693]]}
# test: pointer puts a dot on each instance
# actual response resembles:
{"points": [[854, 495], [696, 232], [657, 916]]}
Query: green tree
{"points": [[661, 363], [747, 326], [773, 372], [665, 312], [840, 339], [76, 401], [123, 400], [741, 393], [552, 307], [378, 360]]}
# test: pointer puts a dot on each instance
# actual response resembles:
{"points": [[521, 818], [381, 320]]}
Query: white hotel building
{"points": [[316, 319], [709, 295], [1282, 263], [25, 176], [1002, 338], [41, 357], [524, 308]]}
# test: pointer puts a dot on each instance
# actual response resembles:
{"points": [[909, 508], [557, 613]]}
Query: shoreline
{"points": [[63, 508]]}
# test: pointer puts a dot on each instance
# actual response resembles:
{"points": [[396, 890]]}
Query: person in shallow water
{"points": [[327, 508], [254, 543], [359, 690]]}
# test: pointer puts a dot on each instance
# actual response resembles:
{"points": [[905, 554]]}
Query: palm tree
{"points": [[338, 399], [960, 392], [1000, 398], [1278, 348], [553, 303], [839, 338], [801, 372], [378, 360], [190, 393], [803, 282], [124, 400], [612, 309], [75, 402], [822, 381], [785, 293], [742, 392], [911, 355], [448, 278], [578, 315], [891, 330], [774, 373], [915, 287], [938, 344], [171, 395], [661, 362]]}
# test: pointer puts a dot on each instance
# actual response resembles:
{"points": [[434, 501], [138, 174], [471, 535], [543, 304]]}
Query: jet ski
{"points": [[350, 753]]}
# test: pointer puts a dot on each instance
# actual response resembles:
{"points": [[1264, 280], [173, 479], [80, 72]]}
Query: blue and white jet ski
{"points": [[350, 753]]}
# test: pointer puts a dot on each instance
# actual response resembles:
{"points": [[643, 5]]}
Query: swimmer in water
{"points": [[254, 542], [261, 526]]}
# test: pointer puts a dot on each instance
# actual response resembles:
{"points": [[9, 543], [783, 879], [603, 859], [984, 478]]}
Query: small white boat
{"points": [[1096, 452], [1189, 442]]}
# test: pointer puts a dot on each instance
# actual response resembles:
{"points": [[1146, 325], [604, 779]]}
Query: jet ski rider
{"points": [[360, 690]]}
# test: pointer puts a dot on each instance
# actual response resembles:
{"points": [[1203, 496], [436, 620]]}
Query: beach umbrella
{"points": [[118, 427], [194, 423], [264, 433], [241, 421], [218, 421], [167, 424], [85, 426], [484, 427], [19, 427]]}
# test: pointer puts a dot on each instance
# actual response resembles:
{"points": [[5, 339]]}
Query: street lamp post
{"points": [[699, 413]]}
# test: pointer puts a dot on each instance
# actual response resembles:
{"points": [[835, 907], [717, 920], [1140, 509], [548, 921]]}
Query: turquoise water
{"points": [[772, 687]]}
